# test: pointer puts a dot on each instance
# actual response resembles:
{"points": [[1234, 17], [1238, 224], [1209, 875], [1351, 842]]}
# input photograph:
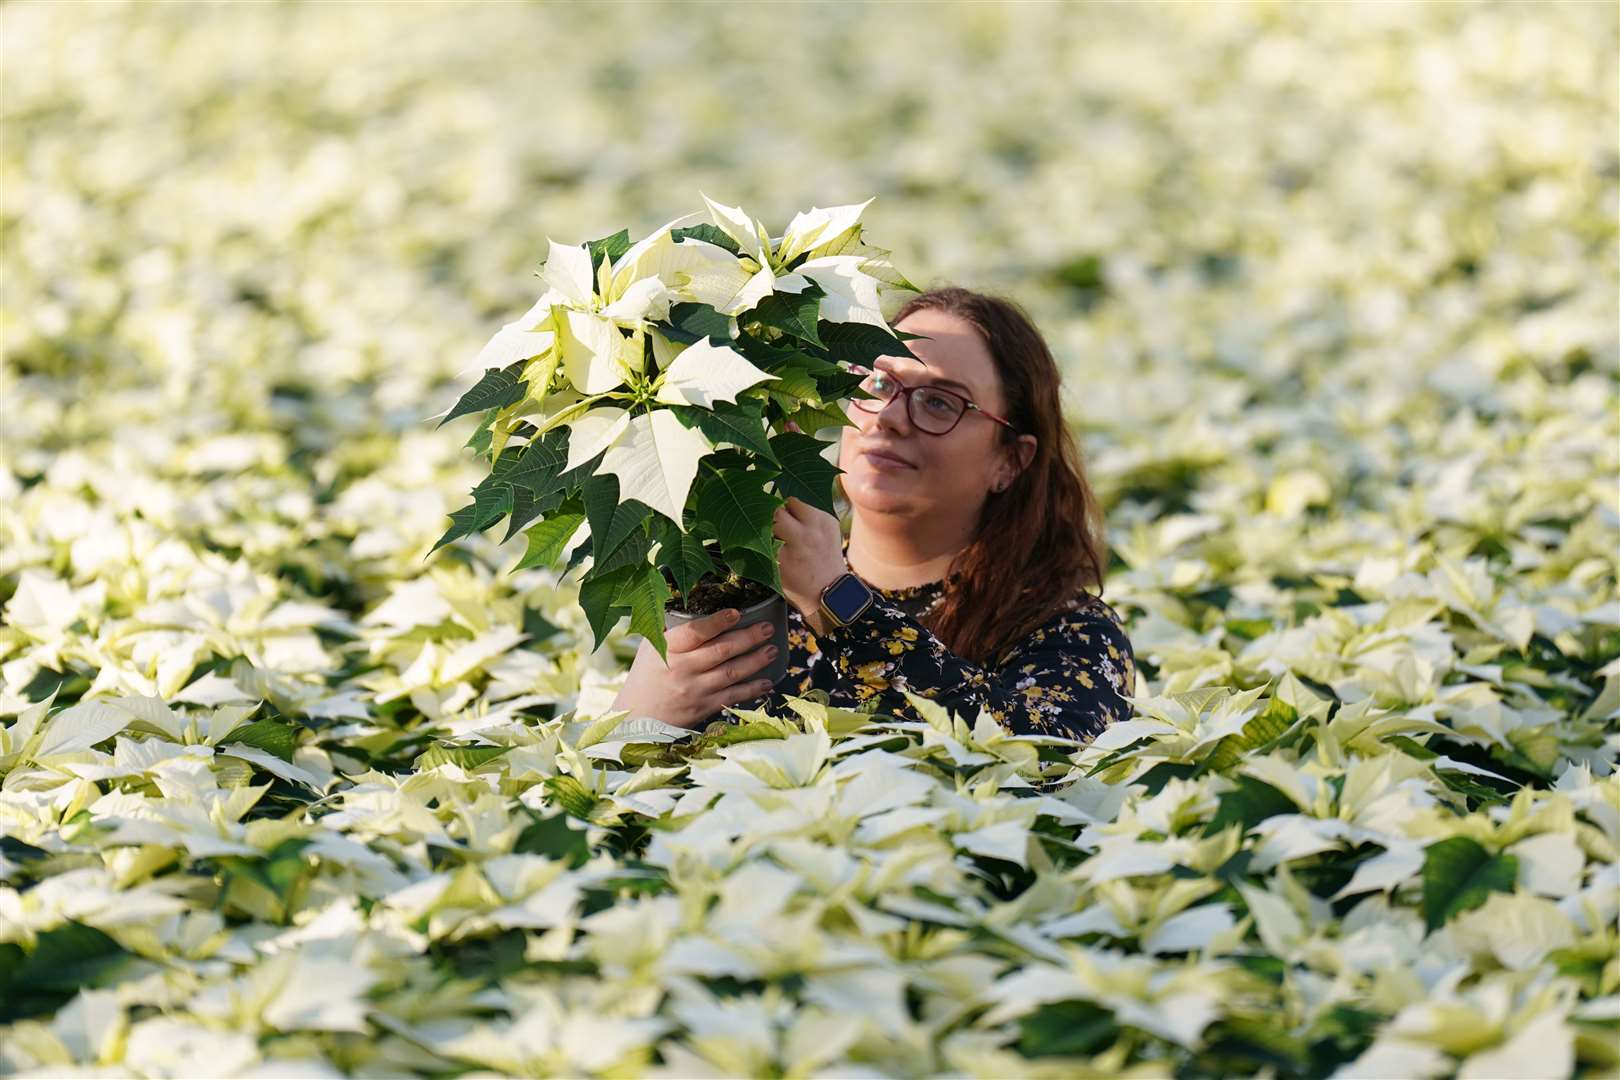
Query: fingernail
{"points": [[770, 653], [732, 615]]}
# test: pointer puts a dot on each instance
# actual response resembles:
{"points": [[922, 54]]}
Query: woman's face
{"points": [[946, 475]]}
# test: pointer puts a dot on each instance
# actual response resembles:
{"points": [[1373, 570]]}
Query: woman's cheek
{"points": [[846, 455]]}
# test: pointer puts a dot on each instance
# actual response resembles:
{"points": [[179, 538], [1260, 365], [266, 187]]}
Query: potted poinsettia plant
{"points": [[667, 396]]}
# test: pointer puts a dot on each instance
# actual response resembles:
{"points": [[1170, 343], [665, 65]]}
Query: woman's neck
{"points": [[901, 557]]}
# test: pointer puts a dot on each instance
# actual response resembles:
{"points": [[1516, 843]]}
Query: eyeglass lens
{"points": [[931, 410]]}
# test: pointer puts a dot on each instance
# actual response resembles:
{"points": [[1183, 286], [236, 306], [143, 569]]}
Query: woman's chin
{"points": [[881, 492]]}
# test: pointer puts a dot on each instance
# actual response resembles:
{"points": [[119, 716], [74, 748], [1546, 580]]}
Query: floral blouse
{"points": [[1066, 678]]}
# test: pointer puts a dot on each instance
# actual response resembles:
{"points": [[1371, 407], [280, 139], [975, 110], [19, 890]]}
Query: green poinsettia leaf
{"points": [[709, 234], [272, 736], [862, 343], [813, 418], [793, 314], [1460, 874], [498, 388], [548, 539], [634, 550], [685, 555], [596, 593], [646, 594], [481, 440], [554, 838], [732, 734], [812, 363], [1252, 802], [63, 961], [751, 564], [610, 246], [741, 512], [840, 384], [537, 467], [611, 521], [579, 555], [464, 757], [568, 793], [806, 474], [694, 322], [489, 505], [1066, 1028], [741, 425], [769, 356], [721, 460], [525, 508], [1270, 724], [793, 385]]}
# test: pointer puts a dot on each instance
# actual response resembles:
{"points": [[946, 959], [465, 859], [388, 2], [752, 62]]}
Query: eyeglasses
{"points": [[932, 409]]}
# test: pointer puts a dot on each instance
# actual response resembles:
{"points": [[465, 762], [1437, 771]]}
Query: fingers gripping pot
{"points": [[773, 609]]}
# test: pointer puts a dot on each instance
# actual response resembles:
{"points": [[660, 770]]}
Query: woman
{"points": [[973, 527]]}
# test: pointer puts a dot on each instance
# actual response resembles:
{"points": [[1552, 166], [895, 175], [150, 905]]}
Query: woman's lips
{"points": [[881, 460]]}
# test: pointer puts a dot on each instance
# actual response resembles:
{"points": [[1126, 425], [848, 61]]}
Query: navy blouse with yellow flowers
{"points": [[1066, 678]]}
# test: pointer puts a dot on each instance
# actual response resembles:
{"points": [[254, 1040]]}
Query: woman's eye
{"points": [[939, 403]]}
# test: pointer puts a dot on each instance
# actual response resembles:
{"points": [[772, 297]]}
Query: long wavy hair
{"points": [[1039, 542]]}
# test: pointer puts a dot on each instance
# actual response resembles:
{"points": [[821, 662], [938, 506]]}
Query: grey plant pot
{"points": [[773, 609]]}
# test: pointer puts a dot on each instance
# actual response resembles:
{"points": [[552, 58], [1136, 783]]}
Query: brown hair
{"points": [[1040, 541]]}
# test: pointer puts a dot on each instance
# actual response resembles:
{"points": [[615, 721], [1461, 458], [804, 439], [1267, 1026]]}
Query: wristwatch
{"points": [[845, 599]]}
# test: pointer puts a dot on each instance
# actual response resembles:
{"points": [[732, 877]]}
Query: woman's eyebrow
{"points": [[964, 387]]}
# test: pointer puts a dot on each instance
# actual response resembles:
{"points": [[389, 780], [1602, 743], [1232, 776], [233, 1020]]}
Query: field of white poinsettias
{"points": [[1334, 288]]}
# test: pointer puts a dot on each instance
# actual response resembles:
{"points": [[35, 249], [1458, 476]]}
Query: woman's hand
{"points": [[709, 666], [812, 556]]}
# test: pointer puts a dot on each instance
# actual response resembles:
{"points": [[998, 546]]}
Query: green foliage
{"points": [[685, 556], [741, 425], [548, 539], [643, 590], [793, 314], [1252, 802], [805, 474], [62, 962], [1459, 874], [609, 247], [465, 757], [736, 506], [273, 736], [498, 388], [707, 233], [555, 838], [1065, 1028], [572, 796]]}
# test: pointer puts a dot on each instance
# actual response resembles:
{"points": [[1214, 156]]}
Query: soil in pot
{"points": [[711, 594]]}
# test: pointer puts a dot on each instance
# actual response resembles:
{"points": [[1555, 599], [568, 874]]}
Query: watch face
{"points": [[847, 597]]}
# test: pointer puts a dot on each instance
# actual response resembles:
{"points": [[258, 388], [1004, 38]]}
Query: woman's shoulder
{"points": [[1084, 621], [1090, 607]]}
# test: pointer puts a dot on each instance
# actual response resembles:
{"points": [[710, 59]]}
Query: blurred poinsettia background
{"points": [[1334, 291]]}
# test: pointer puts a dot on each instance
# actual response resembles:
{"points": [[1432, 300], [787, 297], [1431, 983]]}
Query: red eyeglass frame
{"points": [[906, 392]]}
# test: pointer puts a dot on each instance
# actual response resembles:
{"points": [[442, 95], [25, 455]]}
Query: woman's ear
{"points": [[1027, 445], [1026, 454]]}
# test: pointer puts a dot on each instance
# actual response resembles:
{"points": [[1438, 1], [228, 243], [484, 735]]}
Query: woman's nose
{"points": [[895, 414]]}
